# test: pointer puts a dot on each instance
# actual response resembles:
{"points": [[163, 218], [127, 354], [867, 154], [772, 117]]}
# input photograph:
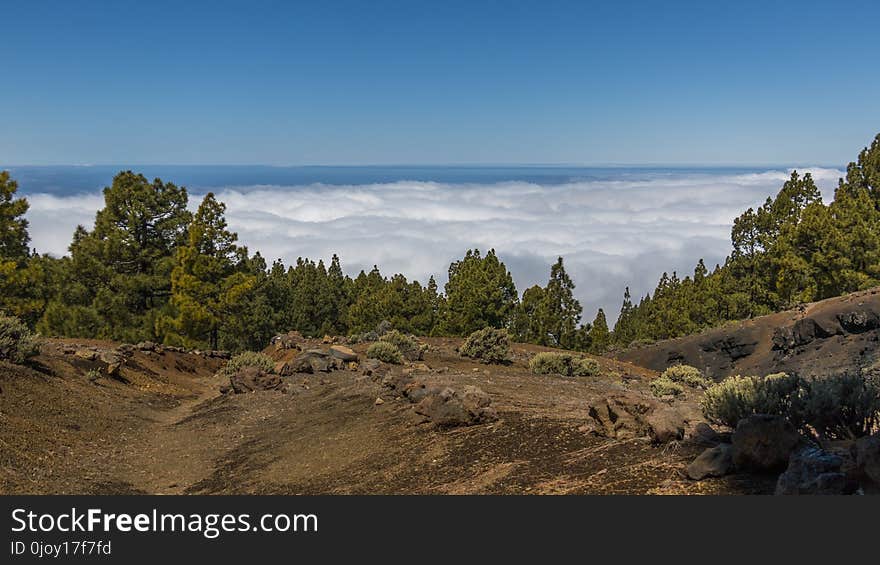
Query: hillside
{"points": [[161, 425], [838, 335]]}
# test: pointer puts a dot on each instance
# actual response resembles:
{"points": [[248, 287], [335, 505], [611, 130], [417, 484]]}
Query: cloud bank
{"points": [[612, 233]]}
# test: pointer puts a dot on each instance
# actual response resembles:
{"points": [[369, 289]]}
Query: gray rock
{"points": [[713, 462], [447, 408], [705, 435], [813, 471], [867, 451], [763, 443], [250, 379], [343, 353]]}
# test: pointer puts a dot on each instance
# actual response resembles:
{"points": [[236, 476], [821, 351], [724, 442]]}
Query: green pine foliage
{"points": [[480, 293], [790, 250], [151, 270]]}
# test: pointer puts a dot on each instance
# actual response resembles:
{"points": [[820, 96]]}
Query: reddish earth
{"points": [[838, 335], [167, 429]]}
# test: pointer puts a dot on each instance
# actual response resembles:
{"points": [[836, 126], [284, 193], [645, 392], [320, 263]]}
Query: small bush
{"points": [[489, 345], [385, 351], [737, 397], [566, 364], [249, 359], [686, 375], [843, 407], [664, 386], [17, 343], [584, 367], [838, 407], [547, 363], [408, 346]]}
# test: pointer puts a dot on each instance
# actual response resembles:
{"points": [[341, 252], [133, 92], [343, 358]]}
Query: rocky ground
{"points": [[89, 417], [834, 336], [98, 417]]}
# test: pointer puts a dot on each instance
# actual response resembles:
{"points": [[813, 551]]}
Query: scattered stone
{"points": [[379, 401], [146, 346], [665, 424], [421, 367], [867, 454], [290, 340], [704, 434], [113, 369], [343, 353], [86, 354], [713, 462], [448, 408], [250, 379], [813, 471], [763, 442], [628, 415], [312, 361], [284, 369]]}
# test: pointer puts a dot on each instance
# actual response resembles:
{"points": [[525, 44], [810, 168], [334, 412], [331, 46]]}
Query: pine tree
{"points": [[14, 236], [559, 312], [480, 293], [600, 337], [120, 270], [208, 282], [624, 328]]}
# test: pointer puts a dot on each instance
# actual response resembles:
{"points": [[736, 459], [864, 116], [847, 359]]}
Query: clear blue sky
{"points": [[441, 82]]}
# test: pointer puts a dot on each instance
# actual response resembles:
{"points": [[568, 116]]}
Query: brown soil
{"points": [[838, 335], [168, 430]]}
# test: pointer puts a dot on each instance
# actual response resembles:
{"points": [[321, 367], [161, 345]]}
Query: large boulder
{"points": [[813, 471], [290, 340], [250, 379], [628, 415], [312, 361], [665, 424], [867, 452], [763, 442], [713, 462], [448, 408], [343, 353]]}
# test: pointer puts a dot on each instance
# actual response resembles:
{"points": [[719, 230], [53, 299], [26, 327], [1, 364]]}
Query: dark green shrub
{"points": [[17, 343], [248, 359], [385, 351], [489, 345], [843, 407]]}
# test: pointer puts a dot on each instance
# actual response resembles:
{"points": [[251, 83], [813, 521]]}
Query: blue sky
{"points": [[445, 82]]}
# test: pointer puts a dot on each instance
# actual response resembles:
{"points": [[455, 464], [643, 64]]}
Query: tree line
{"points": [[791, 250], [150, 269]]}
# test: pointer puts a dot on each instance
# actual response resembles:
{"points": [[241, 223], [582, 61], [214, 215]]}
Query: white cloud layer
{"points": [[611, 233]]}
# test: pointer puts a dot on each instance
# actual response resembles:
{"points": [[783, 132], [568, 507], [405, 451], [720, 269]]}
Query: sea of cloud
{"points": [[612, 233]]}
